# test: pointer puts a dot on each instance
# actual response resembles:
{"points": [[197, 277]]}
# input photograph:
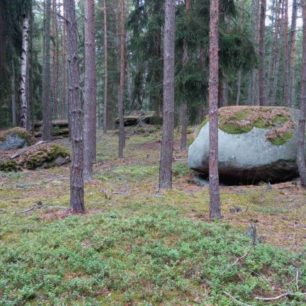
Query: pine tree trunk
{"points": [[90, 92], [292, 49], [166, 154], [24, 120], [105, 112], [76, 122], [184, 105], [301, 126], [286, 57], [46, 88], [238, 87], [261, 72], [215, 207], [122, 79]]}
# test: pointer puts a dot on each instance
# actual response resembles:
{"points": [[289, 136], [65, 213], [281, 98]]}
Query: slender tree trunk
{"points": [[90, 93], [105, 113], [122, 79], [184, 105], [262, 97], [166, 154], [238, 87], [215, 207], [301, 126], [292, 49], [286, 57], [24, 120], [13, 93], [47, 125], [76, 122]]}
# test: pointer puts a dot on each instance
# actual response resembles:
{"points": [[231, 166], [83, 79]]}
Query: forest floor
{"points": [[138, 246]]}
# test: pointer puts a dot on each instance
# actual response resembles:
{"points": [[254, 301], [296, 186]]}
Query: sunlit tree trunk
{"points": [[24, 120], [76, 122], [165, 170], [90, 92], [215, 207], [301, 125], [46, 88]]}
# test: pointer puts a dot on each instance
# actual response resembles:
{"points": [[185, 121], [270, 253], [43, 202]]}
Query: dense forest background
{"points": [[240, 56]]}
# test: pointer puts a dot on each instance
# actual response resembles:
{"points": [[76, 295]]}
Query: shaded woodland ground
{"points": [[135, 246]]}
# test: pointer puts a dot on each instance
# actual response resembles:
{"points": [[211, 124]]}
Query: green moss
{"points": [[9, 166], [281, 139]]}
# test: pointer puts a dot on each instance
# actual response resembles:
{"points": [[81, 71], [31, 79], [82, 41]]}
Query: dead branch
{"points": [[235, 300], [275, 298]]}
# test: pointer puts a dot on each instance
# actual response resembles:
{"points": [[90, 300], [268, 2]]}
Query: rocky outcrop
{"points": [[255, 144], [15, 138]]}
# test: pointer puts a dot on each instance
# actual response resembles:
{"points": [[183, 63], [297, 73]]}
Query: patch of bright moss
{"points": [[282, 139]]}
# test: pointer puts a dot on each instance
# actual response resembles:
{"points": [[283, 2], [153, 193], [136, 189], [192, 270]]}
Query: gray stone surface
{"points": [[247, 157], [13, 142]]}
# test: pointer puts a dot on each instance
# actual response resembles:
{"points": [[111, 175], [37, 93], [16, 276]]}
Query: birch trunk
{"points": [[75, 108], [24, 120], [166, 154], [90, 92], [13, 92]]}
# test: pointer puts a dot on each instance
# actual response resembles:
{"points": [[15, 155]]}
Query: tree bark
{"points": [[13, 93], [90, 92], [301, 125], [24, 120], [261, 72], [286, 57], [292, 49], [165, 170], [122, 78], [76, 122], [105, 113], [238, 87], [215, 207], [46, 87], [184, 105]]}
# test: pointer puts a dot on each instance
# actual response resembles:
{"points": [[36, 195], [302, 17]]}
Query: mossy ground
{"points": [[136, 246]]}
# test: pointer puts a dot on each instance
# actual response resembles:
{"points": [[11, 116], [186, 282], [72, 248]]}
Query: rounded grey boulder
{"points": [[247, 157]]}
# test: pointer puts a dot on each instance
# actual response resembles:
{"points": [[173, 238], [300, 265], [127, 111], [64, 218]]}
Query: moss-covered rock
{"points": [[278, 121], [9, 165], [20, 132]]}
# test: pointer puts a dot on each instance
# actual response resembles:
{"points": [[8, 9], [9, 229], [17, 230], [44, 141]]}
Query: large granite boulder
{"points": [[15, 138], [255, 144]]}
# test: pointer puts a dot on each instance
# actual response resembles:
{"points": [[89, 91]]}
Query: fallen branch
{"points": [[235, 300], [275, 298], [237, 260], [40, 205], [21, 151]]}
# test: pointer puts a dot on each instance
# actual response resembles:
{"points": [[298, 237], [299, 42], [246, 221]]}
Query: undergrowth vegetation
{"points": [[136, 246]]}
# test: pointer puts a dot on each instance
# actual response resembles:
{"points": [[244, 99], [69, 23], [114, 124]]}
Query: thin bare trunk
{"points": [[90, 92], [105, 113], [13, 93], [184, 105], [166, 154], [47, 125], [261, 72], [292, 49], [24, 120], [301, 126], [215, 207], [76, 122], [238, 87], [122, 79]]}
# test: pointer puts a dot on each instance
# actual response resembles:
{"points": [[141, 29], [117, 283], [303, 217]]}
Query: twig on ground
{"points": [[40, 205], [235, 300], [237, 260], [275, 298]]}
